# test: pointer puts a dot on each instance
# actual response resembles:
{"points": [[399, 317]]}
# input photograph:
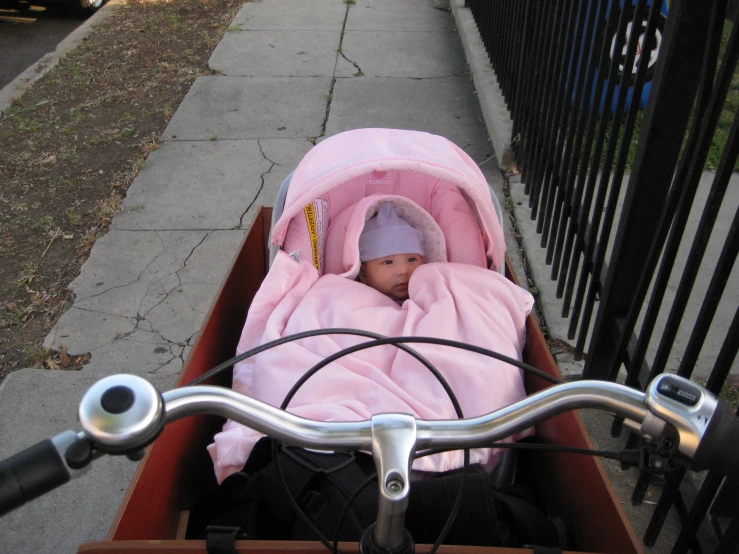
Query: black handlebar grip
{"points": [[719, 447], [29, 474]]}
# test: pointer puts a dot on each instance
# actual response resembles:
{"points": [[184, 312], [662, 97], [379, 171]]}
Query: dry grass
{"points": [[71, 146]]}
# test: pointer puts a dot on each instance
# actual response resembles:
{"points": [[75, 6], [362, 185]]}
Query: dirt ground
{"points": [[71, 146]]}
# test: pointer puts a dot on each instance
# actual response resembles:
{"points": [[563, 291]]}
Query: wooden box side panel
{"points": [[576, 486], [267, 547], [152, 505]]}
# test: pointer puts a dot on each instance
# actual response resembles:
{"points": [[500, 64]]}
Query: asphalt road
{"points": [[26, 35]]}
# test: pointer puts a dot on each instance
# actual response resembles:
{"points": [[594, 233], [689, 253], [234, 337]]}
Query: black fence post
{"points": [[656, 156]]}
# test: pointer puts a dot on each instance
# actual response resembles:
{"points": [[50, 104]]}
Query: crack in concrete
{"points": [[359, 72], [156, 234], [182, 354], [159, 282], [140, 318], [160, 366], [167, 294], [184, 264], [137, 321], [100, 312], [72, 353], [152, 343], [174, 357], [333, 79], [105, 291], [183, 230], [187, 301], [132, 282], [261, 187]]}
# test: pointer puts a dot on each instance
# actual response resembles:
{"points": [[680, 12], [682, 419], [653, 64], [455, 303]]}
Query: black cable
{"points": [[379, 340], [364, 484], [342, 331], [609, 454], [351, 499], [396, 341], [277, 342], [457, 504]]}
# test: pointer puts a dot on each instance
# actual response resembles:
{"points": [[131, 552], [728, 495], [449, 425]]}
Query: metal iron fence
{"points": [[619, 101]]}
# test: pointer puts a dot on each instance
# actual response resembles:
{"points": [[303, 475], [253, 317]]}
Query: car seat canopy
{"points": [[428, 169]]}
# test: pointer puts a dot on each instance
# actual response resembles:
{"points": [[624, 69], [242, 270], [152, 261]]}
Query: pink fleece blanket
{"points": [[447, 300]]}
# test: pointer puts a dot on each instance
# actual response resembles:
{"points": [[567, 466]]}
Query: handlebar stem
{"points": [[393, 446]]}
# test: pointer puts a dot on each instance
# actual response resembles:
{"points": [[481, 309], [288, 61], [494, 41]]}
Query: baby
{"points": [[390, 250]]}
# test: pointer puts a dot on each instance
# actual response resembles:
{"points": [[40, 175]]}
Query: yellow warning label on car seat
{"points": [[316, 217], [310, 219]]}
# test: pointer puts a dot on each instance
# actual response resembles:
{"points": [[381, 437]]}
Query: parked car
{"points": [[80, 8]]}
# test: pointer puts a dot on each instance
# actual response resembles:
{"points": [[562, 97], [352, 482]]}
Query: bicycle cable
{"points": [[396, 341], [379, 340], [357, 332]]}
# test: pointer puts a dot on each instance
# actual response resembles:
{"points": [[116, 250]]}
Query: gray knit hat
{"points": [[388, 234]]}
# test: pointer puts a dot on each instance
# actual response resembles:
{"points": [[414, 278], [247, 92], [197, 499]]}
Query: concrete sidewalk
{"points": [[291, 72]]}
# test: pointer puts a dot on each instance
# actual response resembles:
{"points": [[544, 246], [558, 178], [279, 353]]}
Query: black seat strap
{"points": [[221, 539], [543, 549]]}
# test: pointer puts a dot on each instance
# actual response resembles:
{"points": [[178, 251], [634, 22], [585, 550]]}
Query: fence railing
{"points": [[617, 106]]}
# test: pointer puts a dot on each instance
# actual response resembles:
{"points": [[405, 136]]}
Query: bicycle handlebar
{"points": [[35, 471], [456, 433], [122, 414]]}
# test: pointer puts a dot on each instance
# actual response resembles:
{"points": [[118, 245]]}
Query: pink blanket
{"points": [[447, 300]]}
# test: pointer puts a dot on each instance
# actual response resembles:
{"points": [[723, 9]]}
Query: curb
{"points": [[500, 129], [22, 83], [494, 110]]}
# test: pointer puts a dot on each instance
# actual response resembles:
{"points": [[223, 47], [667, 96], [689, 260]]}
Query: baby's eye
{"points": [[412, 259], [386, 262]]}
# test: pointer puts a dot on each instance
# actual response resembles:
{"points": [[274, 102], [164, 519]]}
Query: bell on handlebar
{"points": [[122, 414]]}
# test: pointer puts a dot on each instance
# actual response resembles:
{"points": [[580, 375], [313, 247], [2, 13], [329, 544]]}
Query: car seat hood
{"points": [[353, 154]]}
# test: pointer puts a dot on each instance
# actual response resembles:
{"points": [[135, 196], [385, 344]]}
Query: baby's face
{"points": [[390, 275]]}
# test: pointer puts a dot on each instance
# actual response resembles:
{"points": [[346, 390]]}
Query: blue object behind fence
{"points": [[606, 35]]}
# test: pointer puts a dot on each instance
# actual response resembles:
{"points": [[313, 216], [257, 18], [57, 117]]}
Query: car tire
{"points": [[84, 8]]}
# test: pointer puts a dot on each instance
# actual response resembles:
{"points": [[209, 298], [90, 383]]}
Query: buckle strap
{"points": [[221, 539]]}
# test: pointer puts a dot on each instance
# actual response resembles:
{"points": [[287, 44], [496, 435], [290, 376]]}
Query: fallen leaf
{"points": [[52, 364], [11, 307], [49, 160], [68, 236], [63, 356], [512, 169]]}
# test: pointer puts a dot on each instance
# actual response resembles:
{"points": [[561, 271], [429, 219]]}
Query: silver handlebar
{"points": [[122, 413], [457, 433]]}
